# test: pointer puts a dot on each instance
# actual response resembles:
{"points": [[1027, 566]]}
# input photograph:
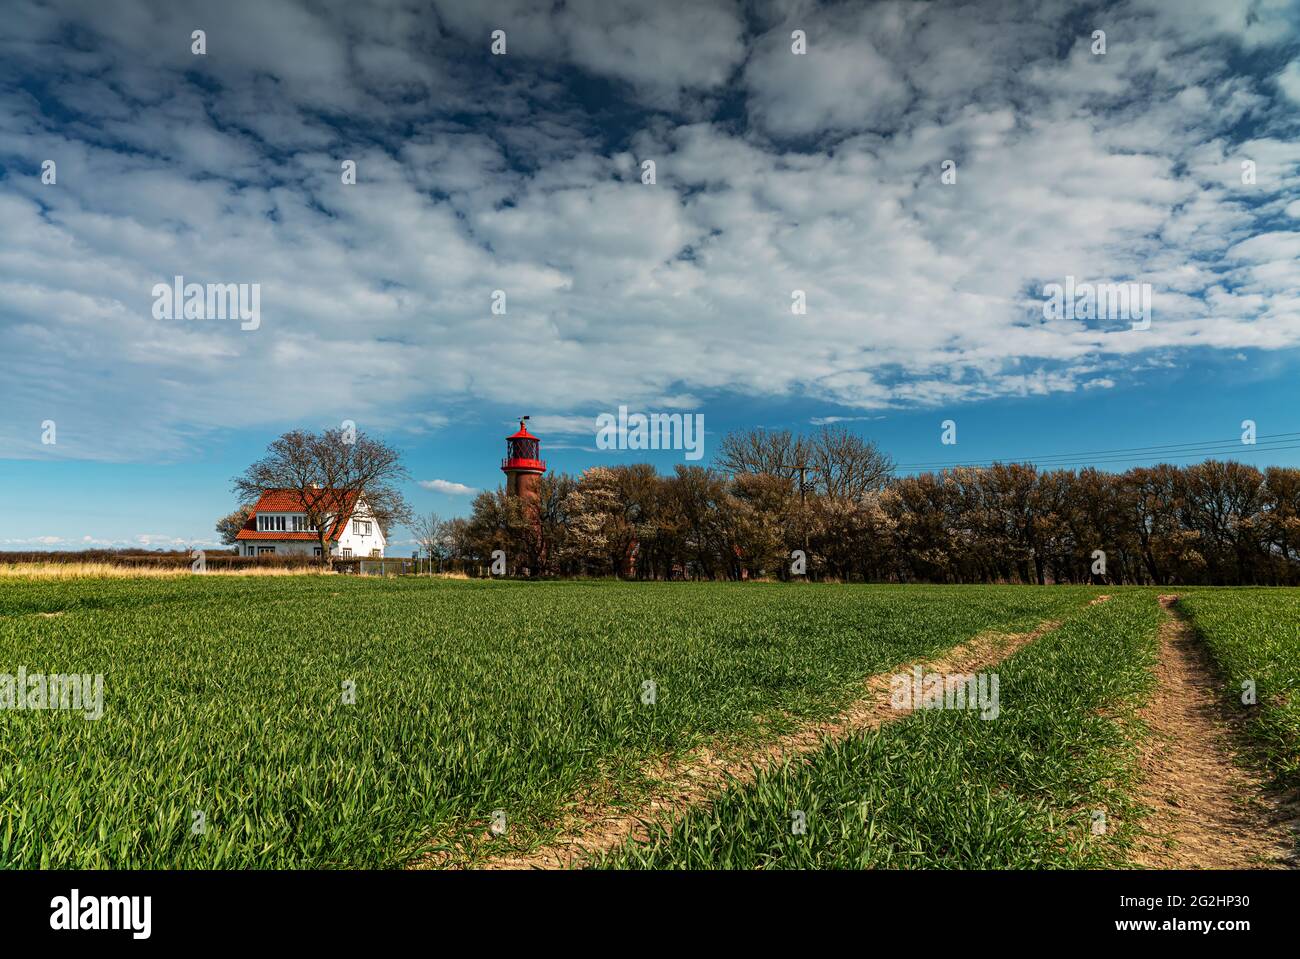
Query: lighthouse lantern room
{"points": [[523, 464]]}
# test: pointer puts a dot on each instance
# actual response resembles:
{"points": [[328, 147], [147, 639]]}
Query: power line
{"points": [[1143, 449], [1169, 451], [1235, 450], [1093, 462], [1239, 450]]}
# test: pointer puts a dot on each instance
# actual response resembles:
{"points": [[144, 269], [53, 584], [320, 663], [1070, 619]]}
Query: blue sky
{"points": [[775, 172]]}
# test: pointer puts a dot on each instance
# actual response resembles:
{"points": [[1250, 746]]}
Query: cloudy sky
{"points": [[1171, 160]]}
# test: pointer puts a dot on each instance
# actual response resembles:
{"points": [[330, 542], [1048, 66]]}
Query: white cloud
{"points": [[841, 83], [448, 488], [1289, 80], [832, 420], [376, 298], [161, 541], [563, 424], [664, 51]]}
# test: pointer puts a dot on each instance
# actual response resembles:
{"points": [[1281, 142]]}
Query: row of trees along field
{"points": [[1214, 522]]}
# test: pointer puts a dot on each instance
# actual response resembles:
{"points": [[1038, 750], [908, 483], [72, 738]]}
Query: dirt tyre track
{"points": [[702, 774], [1208, 809]]}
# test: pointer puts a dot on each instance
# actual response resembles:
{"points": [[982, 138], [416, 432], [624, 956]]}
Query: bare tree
{"points": [[429, 531], [838, 463], [775, 452], [333, 476], [455, 542], [228, 526], [845, 466]]}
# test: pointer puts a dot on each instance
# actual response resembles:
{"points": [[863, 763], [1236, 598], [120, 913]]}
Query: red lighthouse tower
{"points": [[523, 465]]}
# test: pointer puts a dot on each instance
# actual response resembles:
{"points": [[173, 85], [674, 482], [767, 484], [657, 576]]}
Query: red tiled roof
{"points": [[276, 535], [291, 501]]}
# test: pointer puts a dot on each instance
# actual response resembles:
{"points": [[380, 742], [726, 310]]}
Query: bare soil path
{"points": [[699, 776], [1209, 809]]}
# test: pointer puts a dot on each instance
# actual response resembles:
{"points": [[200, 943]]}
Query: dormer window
{"points": [[270, 523]]}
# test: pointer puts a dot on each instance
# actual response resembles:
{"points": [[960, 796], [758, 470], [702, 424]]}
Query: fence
{"points": [[388, 566]]}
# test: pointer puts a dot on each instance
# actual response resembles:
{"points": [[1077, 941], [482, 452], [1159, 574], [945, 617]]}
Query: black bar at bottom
{"points": [[618, 910]]}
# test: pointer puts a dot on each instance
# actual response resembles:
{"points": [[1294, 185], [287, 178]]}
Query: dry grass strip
{"points": [[121, 571]]}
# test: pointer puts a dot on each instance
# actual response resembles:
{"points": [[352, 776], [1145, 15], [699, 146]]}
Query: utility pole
{"points": [[804, 487]]}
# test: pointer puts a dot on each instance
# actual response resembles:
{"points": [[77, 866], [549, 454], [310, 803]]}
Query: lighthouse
{"points": [[523, 465]]}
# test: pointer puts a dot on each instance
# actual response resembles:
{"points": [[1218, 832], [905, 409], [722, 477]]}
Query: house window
{"points": [[315, 550], [374, 554], [347, 553], [361, 527], [265, 549], [270, 523]]}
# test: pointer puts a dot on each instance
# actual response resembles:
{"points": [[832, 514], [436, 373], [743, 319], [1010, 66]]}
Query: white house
{"points": [[279, 525]]}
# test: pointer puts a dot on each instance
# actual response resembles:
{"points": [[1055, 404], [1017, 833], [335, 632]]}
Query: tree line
{"points": [[829, 507]]}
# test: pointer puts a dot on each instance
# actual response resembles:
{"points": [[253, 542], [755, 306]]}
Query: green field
{"points": [[223, 696], [947, 789], [1254, 635]]}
